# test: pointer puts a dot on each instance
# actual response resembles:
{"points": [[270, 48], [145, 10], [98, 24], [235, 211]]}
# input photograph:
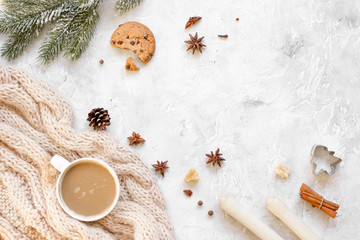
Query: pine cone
{"points": [[99, 118]]}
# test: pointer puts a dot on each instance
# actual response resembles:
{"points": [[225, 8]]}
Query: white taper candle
{"points": [[280, 210], [234, 209]]}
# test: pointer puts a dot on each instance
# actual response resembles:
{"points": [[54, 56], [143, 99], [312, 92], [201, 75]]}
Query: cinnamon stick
{"points": [[318, 201], [326, 203], [334, 205], [326, 210]]}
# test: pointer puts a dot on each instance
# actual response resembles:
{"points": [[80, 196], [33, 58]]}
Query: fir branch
{"points": [[74, 25], [54, 41], [72, 33], [122, 6], [30, 5], [16, 19], [16, 44], [24, 26], [83, 29]]}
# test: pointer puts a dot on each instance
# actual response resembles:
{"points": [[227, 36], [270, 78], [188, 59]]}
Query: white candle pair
{"points": [[279, 209]]}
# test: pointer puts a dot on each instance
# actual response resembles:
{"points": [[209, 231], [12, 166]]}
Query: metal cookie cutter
{"points": [[323, 160]]}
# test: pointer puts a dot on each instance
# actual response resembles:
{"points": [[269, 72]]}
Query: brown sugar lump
{"points": [[131, 65], [137, 38], [192, 176], [282, 171]]}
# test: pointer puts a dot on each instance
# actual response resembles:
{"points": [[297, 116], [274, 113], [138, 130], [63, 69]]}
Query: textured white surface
{"points": [[287, 77]]}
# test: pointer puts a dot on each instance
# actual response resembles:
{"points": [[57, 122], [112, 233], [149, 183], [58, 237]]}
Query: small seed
{"points": [[210, 213], [101, 61], [200, 203], [188, 192]]}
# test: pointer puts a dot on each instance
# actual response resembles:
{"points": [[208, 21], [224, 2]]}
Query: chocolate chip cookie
{"points": [[136, 37], [131, 65]]}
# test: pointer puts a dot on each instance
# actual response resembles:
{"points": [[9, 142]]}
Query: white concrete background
{"points": [[287, 77]]}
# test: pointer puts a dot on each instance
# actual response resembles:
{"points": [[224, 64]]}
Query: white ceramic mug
{"points": [[63, 165]]}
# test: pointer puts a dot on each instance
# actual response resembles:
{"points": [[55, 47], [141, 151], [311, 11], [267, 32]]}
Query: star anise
{"points": [[160, 166], [135, 139], [191, 21], [195, 43], [215, 158]]}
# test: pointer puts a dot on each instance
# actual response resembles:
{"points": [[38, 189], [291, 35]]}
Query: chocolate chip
{"points": [[127, 36], [132, 43], [135, 51], [120, 25], [151, 54], [127, 66], [119, 42], [141, 50], [137, 42], [146, 36], [113, 42]]}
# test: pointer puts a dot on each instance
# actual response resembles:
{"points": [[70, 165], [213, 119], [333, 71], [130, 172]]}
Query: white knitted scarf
{"points": [[35, 124]]}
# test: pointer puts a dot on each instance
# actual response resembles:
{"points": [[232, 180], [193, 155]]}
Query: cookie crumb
{"points": [[237, 19], [131, 65], [223, 36], [210, 212], [200, 203], [101, 61]]}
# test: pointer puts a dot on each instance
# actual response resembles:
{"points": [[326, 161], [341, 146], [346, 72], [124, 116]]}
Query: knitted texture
{"points": [[35, 124]]}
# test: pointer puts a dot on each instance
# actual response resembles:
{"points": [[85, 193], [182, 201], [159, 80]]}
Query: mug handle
{"points": [[59, 162]]}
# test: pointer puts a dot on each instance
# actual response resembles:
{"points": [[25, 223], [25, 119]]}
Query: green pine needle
{"points": [[122, 6]]}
